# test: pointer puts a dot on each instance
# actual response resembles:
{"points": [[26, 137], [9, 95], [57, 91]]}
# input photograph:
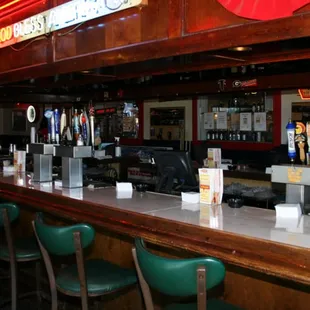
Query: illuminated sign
{"points": [[31, 114], [7, 4], [62, 16], [9, 7], [304, 93], [105, 111], [263, 9]]}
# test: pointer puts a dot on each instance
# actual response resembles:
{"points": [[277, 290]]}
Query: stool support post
{"points": [[49, 269], [146, 292], [81, 269], [13, 267], [201, 288]]}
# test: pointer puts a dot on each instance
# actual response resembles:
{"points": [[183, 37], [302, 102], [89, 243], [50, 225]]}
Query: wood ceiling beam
{"points": [[296, 26], [11, 98], [125, 72], [285, 81], [272, 82]]}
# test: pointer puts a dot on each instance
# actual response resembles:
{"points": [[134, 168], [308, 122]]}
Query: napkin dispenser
{"points": [[124, 190]]}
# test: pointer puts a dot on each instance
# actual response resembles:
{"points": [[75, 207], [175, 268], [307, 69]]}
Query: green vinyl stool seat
{"points": [[179, 278], [25, 249], [102, 278], [84, 279]]}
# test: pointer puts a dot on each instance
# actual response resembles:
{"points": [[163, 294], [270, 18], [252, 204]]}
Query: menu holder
{"points": [[211, 186]]}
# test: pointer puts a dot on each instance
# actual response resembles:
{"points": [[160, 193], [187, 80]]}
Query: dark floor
{"points": [[26, 284], [28, 304]]}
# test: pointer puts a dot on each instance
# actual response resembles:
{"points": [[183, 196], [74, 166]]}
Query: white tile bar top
{"points": [[140, 202], [247, 221]]}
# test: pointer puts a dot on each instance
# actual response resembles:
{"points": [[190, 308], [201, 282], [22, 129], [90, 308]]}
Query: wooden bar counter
{"points": [[268, 266]]}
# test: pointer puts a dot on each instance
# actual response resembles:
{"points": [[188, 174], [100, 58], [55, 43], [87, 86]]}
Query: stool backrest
{"points": [[59, 240], [62, 241], [177, 277], [12, 212]]}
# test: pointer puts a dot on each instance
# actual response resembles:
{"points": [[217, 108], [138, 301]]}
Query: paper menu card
{"points": [[214, 158], [260, 123], [208, 120], [20, 161], [211, 186], [221, 121], [245, 121]]}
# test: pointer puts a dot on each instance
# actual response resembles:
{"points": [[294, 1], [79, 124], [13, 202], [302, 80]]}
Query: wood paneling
{"points": [[268, 257], [203, 15], [176, 12], [255, 291], [124, 28], [247, 289], [22, 56], [150, 32]]}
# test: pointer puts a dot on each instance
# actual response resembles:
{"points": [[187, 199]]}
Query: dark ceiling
{"points": [[282, 57]]}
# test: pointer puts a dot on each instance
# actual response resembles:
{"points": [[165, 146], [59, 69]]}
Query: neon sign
{"points": [[9, 7], [263, 9], [62, 16], [304, 93], [6, 5]]}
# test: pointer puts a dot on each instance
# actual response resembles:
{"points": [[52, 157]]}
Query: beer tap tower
{"points": [[42, 161], [72, 156], [296, 177]]}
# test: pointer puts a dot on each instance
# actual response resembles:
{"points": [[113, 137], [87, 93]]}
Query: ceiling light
{"points": [[240, 49], [85, 71]]}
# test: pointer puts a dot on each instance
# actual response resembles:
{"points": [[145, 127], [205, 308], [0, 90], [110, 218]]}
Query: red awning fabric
{"points": [[263, 9]]}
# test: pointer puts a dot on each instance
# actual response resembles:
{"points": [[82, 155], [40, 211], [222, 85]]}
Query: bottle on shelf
{"points": [[238, 136], [208, 135], [258, 137], [118, 151]]}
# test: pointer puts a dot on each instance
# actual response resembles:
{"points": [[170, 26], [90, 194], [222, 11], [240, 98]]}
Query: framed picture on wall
{"points": [[19, 120]]}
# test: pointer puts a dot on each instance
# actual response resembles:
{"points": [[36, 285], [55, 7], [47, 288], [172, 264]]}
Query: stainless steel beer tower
{"points": [[297, 180], [72, 164], [42, 161]]}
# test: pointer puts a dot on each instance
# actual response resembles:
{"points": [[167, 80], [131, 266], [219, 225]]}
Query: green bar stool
{"points": [[90, 278], [179, 278], [17, 251]]}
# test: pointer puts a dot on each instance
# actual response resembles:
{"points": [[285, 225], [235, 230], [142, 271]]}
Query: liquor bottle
{"points": [[216, 136], [238, 136], [118, 151], [244, 136], [258, 137], [234, 136]]}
